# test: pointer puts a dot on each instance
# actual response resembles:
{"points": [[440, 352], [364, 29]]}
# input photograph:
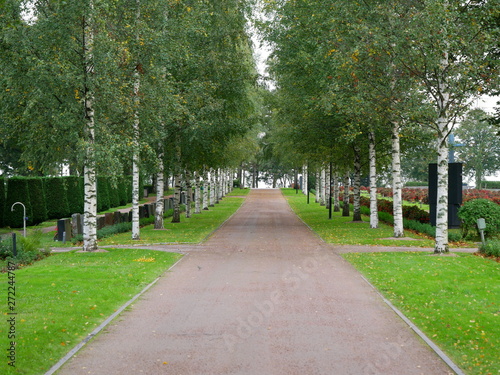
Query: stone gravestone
{"points": [[64, 229], [124, 216], [68, 229], [101, 222], [109, 219], [117, 217], [76, 224], [61, 227]]}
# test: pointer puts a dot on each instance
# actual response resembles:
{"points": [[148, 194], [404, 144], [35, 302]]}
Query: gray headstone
{"points": [[101, 222], [117, 217], [76, 224], [68, 229]]}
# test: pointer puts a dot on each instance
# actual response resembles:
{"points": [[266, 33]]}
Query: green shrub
{"points": [[386, 218], [491, 248], [56, 197], [416, 183], [480, 208], [17, 191], [490, 184], [74, 187], [29, 249], [2, 201], [38, 201]]}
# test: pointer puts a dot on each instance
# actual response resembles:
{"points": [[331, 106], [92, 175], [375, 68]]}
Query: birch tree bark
{"points": [[136, 231], [336, 192], [160, 193], [345, 207], [397, 188], [206, 185], [322, 187], [444, 129], [212, 188], [176, 217], [357, 185], [90, 175], [373, 182], [318, 184], [189, 193], [197, 193]]}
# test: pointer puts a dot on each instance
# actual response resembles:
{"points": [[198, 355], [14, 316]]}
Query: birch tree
{"points": [[449, 49]]}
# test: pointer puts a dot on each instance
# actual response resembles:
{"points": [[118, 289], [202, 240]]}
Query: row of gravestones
{"points": [[71, 227]]}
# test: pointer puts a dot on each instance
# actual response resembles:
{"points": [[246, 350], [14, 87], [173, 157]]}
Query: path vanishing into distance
{"points": [[264, 295]]}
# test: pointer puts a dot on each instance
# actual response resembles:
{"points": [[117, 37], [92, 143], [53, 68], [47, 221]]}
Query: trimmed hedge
{"points": [[114, 194], [490, 184], [103, 203], [57, 198], [38, 201], [17, 191], [75, 190], [122, 190]]}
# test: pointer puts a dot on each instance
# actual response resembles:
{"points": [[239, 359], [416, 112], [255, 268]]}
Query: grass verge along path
{"points": [[454, 300], [61, 299], [342, 230], [190, 230]]}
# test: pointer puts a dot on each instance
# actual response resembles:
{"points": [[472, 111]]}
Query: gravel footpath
{"points": [[262, 296]]}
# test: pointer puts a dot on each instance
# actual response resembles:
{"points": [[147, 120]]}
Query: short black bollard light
{"points": [[481, 226]]}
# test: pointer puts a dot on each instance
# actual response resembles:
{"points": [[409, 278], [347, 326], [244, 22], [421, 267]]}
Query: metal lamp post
{"points": [[24, 216]]}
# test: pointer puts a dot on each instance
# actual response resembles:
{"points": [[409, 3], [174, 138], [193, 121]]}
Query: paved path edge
{"points": [[104, 324], [415, 329]]}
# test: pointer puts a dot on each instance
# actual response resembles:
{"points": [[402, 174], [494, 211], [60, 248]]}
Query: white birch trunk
{"points": [[357, 185], [176, 217], [212, 188], [135, 161], [136, 230], [397, 188], [189, 194], [318, 184], [373, 182], [90, 175], [322, 187], [197, 193], [345, 207], [328, 187], [159, 194], [336, 192], [443, 123], [217, 186], [441, 244], [206, 185], [304, 179]]}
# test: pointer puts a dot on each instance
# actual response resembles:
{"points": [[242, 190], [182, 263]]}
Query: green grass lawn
{"points": [[62, 298], [341, 230], [455, 300], [192, 230]]}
